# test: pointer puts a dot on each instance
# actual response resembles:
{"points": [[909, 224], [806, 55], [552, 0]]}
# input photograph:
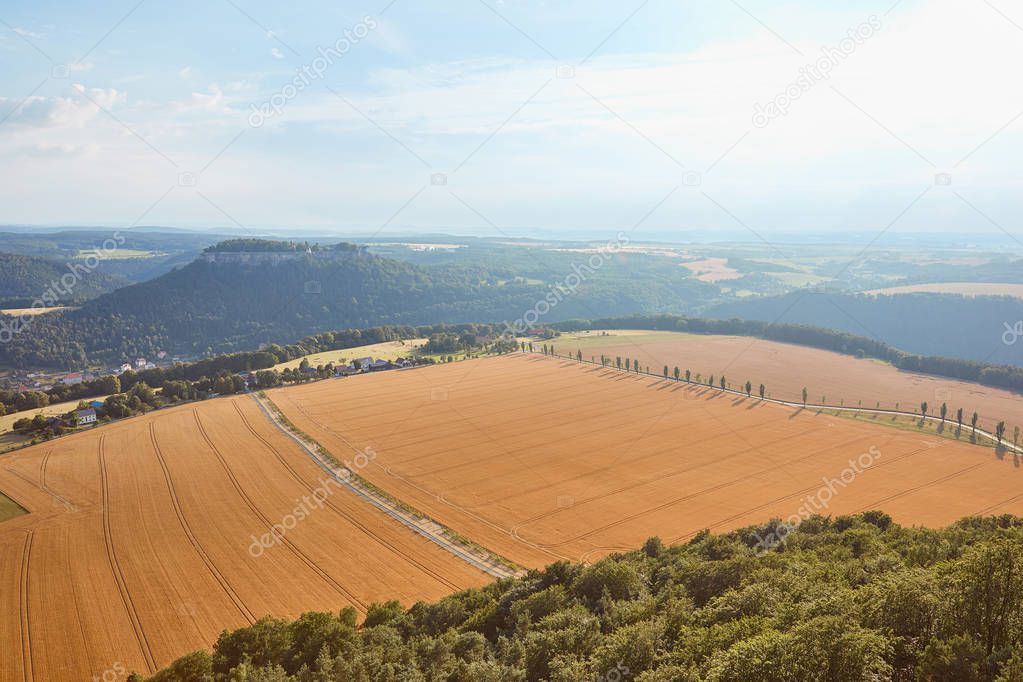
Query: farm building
{"points": [[83, 417]]}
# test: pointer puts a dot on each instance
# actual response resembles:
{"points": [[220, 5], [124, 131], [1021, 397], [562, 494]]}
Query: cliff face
{"points": [[274, 257]]}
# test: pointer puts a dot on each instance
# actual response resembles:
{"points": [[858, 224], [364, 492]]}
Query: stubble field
{"points": [[541, 459], [138, 547]]}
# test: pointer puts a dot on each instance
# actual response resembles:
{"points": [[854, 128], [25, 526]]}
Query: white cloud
{"points": [[185, 73], [214, 101], [25, 33], [276, 53], [64, 112]]}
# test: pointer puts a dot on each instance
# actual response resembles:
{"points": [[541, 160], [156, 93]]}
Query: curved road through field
{"points": [[429, 529]]}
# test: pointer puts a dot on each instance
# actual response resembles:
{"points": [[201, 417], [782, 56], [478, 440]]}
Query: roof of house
{"points": [[81, 414]]}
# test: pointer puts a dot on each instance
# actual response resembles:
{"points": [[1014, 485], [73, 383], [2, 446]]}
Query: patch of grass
{"points": [[926, 427], [9, 508]]}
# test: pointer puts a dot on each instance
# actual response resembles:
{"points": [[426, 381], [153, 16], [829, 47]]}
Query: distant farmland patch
{"points": [[712, 270], [962, 288], [21, 312]]}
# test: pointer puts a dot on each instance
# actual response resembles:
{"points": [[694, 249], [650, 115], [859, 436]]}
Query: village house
{"points": [[362, 364], [83, 417]]}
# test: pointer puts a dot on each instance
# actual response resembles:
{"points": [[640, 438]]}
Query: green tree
{"points": [[959, 418], [983, 593], [762, 390], [944, 411], [923, 408], [677, 373], [1000, 431], [688, 374], [973, 422], [749, 389], [804, 396], [724, 383]]}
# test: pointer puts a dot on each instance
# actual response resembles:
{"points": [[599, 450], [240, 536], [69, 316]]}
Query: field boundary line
{"points": [[419, 523], [789, 403]]}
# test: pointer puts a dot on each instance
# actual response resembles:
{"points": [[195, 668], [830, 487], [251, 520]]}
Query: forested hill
{"points": [[850, 598], [208, 307], [973, 328], [24, 279]]}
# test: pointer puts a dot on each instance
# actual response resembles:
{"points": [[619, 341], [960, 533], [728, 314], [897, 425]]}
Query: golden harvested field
{"points": [[963, 288], [786, 368], [712, 270], [540, 459], [140, 543]]}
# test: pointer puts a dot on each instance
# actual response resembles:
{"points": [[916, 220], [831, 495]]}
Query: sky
{"points": [[510, 117]]}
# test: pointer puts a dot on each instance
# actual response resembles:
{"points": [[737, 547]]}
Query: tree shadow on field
{"points": [[1000, 451], [738, 401], [797, 413], [755, 403]]}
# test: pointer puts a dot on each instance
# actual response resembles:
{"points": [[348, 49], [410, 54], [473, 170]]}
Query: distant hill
{"points": [[208, 307], [23, 279], [928, 324], [242, 293]]}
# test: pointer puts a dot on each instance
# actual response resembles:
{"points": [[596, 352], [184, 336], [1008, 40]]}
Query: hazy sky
{"points": [[493, 116]]}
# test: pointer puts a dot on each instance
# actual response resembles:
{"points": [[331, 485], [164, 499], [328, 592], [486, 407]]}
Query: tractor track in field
{"points": [[115, 565], [192, 539], [299, 553], [26, 631]]}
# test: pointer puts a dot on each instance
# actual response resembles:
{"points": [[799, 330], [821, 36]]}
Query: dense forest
{"points": [[989, 374], [923, 323], [849, 598], [26, 279]]}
